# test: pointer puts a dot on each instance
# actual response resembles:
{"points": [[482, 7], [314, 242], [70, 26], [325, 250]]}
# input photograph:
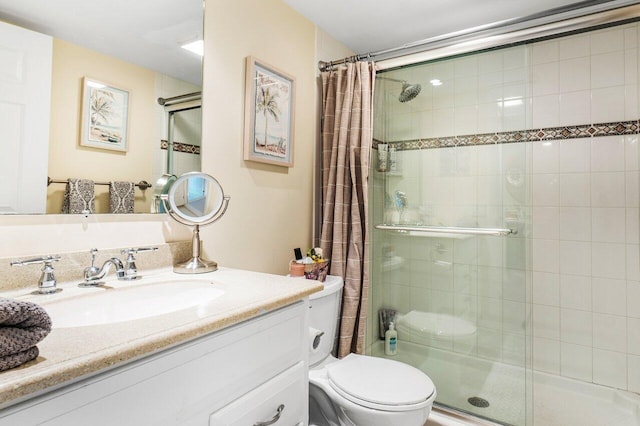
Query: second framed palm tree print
{"points": [[269, 107]]}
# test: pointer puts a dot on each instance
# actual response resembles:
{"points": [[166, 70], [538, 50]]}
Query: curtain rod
{"points": [[581, 9], [179, 99]]}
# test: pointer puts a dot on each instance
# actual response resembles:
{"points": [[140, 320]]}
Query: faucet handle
{"points": [[131, 271], [131, 251], [47, 282], [94, 253], [93, 269], [42, 259]]}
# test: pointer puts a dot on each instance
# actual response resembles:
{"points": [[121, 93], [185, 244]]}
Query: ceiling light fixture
{"points": [[196, 47], [435, 82]]}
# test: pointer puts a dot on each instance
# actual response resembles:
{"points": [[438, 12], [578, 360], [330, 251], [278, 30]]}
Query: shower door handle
{"points": [[449, 230]]}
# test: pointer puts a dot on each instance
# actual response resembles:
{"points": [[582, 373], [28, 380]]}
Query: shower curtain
{"points": [[347, 132]]}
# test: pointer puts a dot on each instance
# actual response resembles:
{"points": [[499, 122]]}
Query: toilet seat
{"points": [[380, 384]]}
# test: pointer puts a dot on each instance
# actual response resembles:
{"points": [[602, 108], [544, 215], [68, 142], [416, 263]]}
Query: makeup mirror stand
{"points": [[196, 265]]}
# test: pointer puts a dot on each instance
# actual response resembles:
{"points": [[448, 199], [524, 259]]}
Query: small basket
{"points": [[317, 271]]}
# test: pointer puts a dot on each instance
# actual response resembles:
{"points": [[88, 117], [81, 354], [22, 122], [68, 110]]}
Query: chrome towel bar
{"points": [[448, 229], [143, 184]]}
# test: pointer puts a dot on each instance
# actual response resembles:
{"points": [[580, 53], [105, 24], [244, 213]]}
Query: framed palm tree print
{"points": [[268, 114], [105, 111]]}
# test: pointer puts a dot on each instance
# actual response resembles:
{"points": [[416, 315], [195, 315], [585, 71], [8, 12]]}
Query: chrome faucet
{"points": [[131, 270], [93, 276], [47, 282]]}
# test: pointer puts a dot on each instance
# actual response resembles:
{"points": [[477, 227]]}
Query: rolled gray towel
{"points": [[22, 326]]}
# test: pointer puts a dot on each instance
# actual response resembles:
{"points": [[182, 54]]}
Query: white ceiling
{"points": [[149, 32], [374, 25], [144, 32]]}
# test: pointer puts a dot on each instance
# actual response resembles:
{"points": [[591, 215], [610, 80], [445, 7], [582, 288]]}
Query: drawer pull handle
{"points": [[274, 419]]}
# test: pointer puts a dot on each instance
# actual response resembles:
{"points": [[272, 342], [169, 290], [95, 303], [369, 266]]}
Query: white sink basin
{"points": [[128, 304]]}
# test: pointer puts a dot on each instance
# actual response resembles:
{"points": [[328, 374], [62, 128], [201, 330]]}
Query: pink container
{"points": [[296, 269]]}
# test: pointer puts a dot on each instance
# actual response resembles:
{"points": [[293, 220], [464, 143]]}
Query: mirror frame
{"points": [[172, 207]]}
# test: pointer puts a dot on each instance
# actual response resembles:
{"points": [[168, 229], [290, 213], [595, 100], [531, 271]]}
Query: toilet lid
{"points": [[380, 383]]}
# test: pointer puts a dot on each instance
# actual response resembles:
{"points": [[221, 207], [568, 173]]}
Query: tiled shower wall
{"points": [[564, 173]]}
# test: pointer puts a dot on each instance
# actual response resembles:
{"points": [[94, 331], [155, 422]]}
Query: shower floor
{"points": [[558, 401]]}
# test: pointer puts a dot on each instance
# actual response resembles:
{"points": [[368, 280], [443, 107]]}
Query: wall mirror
{"points": [[196, 199], [137, 48]]}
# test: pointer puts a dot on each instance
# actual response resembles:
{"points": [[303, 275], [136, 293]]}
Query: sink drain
{"points": [[476, 401]]}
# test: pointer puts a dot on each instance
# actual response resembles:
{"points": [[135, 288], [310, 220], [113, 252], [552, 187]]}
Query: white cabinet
{"points": [[230, 377]]}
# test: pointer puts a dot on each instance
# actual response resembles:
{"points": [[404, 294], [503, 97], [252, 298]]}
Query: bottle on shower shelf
{"points": [[383, 151], [391, 340], [393, 159], [401, 204]]}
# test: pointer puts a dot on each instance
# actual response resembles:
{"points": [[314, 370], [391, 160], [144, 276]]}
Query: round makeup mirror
{"points": [[196, 199]]}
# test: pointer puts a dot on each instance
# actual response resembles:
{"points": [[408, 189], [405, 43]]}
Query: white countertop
{"points": [[71, 353]]}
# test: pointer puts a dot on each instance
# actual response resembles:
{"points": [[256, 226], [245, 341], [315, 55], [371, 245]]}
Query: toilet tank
{"points": [[324, 315]]}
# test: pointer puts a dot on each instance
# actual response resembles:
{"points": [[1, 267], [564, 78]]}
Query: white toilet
{"points": [[359, 390]]}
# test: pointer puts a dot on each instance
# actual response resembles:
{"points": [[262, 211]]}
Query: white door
{"points": [[25, 101]]}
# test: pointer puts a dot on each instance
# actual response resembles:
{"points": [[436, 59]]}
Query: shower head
{"points": [[409, 91]]}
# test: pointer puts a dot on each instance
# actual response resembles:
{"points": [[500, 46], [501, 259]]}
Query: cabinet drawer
{"points": [[287, 390]]}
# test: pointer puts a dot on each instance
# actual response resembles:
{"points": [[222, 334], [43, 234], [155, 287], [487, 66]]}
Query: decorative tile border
{"points": [[181, 147], [535, 135]]}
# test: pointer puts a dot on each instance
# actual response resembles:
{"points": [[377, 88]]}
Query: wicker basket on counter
{"points": [[317, 270]]}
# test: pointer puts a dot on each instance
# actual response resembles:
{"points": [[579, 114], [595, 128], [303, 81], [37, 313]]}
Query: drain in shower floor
{"points": [[476, 401]]}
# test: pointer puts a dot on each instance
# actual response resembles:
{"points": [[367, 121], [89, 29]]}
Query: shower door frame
{"points": [[476, 43]]}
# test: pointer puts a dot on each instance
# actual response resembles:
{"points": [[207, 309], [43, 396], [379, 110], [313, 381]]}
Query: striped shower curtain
{"points": [[347, 132]]}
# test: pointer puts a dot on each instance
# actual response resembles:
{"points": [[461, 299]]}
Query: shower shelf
{"points": [[446, 231]]}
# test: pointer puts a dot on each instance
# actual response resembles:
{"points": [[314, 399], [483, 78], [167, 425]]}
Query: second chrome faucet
{"points": [[93, 275]]}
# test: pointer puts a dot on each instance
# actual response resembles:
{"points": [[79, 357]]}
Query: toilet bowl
{"points": [[359, 390]]}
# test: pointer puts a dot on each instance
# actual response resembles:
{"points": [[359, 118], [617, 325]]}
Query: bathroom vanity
{"points": [[240, 359]]}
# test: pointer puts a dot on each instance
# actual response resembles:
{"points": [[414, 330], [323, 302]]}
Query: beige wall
{"points": [[66, 157], [270, 209]]}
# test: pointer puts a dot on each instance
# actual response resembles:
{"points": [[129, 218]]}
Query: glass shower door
{"points": [[450, 218]]}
